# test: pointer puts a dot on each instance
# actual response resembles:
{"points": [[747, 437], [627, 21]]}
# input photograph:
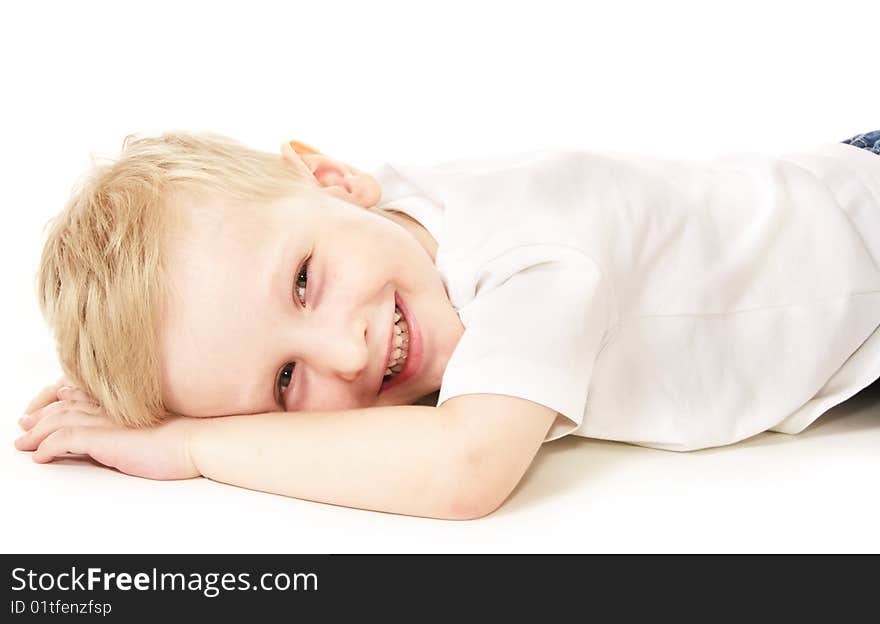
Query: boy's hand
{"points": [[76, 424], [48, 395]]}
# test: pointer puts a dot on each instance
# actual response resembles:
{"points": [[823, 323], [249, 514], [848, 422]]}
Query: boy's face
{"points": [[245, 315]]}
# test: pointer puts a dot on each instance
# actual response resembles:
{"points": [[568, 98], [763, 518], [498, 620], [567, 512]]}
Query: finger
{"points": [[69, 393], [49, 394], [66, 416], [30, 440], [29, 422], [56, 415], [43, 398], [65, 440]]}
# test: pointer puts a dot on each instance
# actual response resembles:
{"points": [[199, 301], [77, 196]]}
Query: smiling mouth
{"points": [[399, 345]]}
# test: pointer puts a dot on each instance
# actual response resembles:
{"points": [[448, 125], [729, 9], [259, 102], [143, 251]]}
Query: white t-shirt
{"points": [[666, 303]]}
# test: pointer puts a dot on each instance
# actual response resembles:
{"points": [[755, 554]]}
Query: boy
{"points": [[668, 304]]}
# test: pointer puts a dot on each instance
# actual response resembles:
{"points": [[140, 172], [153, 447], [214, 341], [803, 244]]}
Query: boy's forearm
{"points": [[401, 459]]}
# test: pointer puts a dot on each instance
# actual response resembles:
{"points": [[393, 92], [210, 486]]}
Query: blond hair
{"points": [[102, 281]]}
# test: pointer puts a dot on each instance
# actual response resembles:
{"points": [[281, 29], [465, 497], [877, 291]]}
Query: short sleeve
{"points": [[535, 335]]}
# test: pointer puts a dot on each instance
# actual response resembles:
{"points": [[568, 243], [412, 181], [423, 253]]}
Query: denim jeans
{"points": [[869, 141]]}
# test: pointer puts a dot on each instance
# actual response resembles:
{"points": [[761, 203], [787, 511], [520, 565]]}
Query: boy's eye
{"points": [[284, 379], [299, 287], [302, 279]]}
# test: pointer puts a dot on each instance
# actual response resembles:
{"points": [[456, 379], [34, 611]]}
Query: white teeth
{"points": [[400, 343]]}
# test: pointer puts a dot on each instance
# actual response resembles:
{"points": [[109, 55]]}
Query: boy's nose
{"points": [[343, 351]]}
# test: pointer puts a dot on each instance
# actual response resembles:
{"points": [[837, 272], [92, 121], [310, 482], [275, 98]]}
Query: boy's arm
{"points": [[504, 434], [457, 461]]}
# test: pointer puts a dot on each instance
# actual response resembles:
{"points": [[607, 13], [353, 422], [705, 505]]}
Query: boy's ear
{"points": [[337, 178], [325, 171], [292, 152], [302, 148]]}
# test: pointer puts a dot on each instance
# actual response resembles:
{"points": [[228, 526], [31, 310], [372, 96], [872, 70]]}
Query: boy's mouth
{"points": [[398, 347], [404, 358]]}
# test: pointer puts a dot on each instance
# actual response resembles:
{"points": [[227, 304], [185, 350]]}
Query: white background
{"points": [[370, 81]]}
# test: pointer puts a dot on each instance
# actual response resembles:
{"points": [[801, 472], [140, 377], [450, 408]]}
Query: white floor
{"points": [[815, 492]]}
